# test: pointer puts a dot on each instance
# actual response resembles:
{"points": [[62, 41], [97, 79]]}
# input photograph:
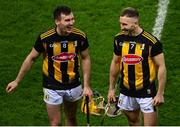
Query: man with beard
{"points": [[62, 48], [139, 58]]}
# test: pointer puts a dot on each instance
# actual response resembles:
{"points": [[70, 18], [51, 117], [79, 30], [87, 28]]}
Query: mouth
{"points": [[69, 27], [125, 30]]}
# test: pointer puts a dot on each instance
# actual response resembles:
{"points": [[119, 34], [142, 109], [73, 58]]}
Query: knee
{"points": [[55, 122], [70, 121], [134, 121], [133, 117]]}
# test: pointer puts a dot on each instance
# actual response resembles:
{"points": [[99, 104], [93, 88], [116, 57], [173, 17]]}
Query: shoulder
{"points": [[78, 32], [151, 38], [119, 35], [47, 33]]}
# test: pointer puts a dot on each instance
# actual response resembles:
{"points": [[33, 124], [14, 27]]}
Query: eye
{"points": [[67, 20], [70, 19], [123, 24]]}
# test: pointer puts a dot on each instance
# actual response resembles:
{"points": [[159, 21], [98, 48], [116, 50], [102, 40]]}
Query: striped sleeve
{"points": [[156, 49], [38, 46], [83, 39], [117, 48], [84, 44]]}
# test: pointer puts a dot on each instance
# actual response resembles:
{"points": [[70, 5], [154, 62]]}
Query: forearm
{"points": [[86, 67], [24, 68], [161, 79], [113, 75]]}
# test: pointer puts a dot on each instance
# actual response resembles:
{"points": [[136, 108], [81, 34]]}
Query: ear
{"points": [[136, 24], [57, 22]]}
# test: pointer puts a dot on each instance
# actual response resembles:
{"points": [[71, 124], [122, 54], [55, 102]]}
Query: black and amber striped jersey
{"points": [[138, 71], [61, 58]]}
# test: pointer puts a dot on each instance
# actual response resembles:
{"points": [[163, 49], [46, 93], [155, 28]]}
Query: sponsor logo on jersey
{"points": [[64, 57], [132, 59]]}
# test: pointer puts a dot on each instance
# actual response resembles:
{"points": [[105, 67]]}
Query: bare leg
{"points": [[133, 117], [150, 119], [70, 109], [54, 114]]}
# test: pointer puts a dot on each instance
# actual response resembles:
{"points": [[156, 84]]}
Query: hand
{"points": [[11, 86], [158, 100], [88, 92], [111, 96]]}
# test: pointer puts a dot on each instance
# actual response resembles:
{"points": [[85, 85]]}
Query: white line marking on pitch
{"points": [[160, 19]]}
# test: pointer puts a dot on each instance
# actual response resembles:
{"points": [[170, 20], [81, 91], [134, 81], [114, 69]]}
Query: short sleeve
{"points": [[156, 49], [117, 48], [84, 44], [39, 45]]}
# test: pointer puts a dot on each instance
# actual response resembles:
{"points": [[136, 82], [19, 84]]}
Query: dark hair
{"points": [[61, 10], [130, 12]]}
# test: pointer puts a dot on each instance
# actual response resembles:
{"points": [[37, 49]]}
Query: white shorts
{"points": [[133, 103], [56, 97]]}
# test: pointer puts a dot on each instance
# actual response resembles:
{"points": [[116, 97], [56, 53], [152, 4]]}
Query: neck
{"points": [[137, 31], [60, 32]]}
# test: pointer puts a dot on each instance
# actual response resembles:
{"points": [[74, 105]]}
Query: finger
{"points": [[161, 103], [8, 89], [90, 97], [114, 99], [109, 99], [156, 103]]}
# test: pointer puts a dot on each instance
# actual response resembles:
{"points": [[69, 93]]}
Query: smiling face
{"points": [[65, 24], [128, 24]]}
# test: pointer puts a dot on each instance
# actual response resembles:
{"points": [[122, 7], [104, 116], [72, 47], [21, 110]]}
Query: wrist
{"points": [[86, 87], [111, 88], [160, 93], [17, 81]]}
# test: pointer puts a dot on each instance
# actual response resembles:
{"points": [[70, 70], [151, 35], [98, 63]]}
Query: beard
{"points": [[129, 32], [69, 29], [65, 30]]}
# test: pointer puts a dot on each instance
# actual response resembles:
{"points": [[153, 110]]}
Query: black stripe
{"points": [[122, 78], [131, 69], [145, 67], [50, 61], [64, 65], [76, 65], [51, 83]]}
